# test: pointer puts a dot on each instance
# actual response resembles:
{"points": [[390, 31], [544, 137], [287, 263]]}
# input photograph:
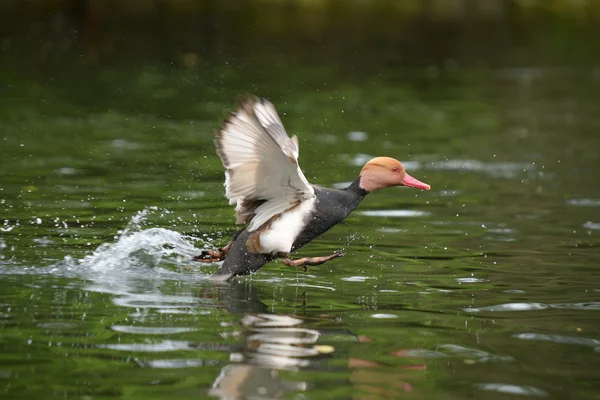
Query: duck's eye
{"points": [[394, 169]]}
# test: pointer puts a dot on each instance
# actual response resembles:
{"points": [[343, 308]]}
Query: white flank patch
{"points": [[284, 231]]}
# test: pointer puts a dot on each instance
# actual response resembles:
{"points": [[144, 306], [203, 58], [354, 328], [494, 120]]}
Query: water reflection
{"points": [[260, 344], [270, 343], [265, 349]]}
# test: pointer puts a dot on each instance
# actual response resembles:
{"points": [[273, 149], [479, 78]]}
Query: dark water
{"points": [[486, 287]]}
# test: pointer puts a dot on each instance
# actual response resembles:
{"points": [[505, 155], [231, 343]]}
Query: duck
{"points": [[280, 210]]}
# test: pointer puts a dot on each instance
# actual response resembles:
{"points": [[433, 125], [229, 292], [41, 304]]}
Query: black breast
{"points": [[331, 207]]}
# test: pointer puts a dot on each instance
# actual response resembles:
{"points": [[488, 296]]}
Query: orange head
{"points": [[382, 172]]}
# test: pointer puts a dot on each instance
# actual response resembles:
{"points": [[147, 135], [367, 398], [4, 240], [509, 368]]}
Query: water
{"points": [[485, 287]]}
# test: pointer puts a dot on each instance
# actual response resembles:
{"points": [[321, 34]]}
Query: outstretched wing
{"points": [[262, 173]]}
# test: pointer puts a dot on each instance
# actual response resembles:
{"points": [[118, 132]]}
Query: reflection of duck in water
{"points": [[283, 212], [270, 343], [273, 343]]}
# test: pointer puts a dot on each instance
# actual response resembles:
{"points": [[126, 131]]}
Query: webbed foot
{"points": [[211, 256], [306, 261]]}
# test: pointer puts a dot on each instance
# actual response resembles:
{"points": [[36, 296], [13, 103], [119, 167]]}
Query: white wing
{"points": [[262, 172]]}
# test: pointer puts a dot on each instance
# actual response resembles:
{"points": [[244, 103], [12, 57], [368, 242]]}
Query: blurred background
{"points": [[246, 45], [485, 287], [189, 33]]}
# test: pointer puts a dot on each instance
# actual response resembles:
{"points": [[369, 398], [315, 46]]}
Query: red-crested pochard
{"points": [[281, 210]]}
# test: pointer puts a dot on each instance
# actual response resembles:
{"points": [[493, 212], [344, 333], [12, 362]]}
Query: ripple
{"points": [[473, 354], [125, 144], [270, 320], [184, 311], [384, 316], [66, 171], [360, 159], [536, 306], [502, 230], [394, 213], [579, 306], [558, 339], [165, 345], [470, 280], [506, 388], [504, 170], [386, 229], [194, 194], [327, 138], [500, 239], [357, 136], [467, 353], [592, 225], [510, 307], [584, 202], [301, 284], [59, 326], [176, 363], [356, 278], [43, 241], [155, 300], [150, 330]]}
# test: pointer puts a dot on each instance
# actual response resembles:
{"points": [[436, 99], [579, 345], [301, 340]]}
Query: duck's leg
{"points": [[209, 256], [306, 261]]}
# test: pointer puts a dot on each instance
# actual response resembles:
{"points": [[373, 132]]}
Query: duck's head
{"points": [[382, 172]]}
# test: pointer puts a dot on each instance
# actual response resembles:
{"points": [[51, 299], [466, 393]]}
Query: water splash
{"points": [[134, 269], [145, 248], [137, 250]]}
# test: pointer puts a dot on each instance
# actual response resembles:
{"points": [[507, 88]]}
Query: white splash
{"points": [[136, 256]]}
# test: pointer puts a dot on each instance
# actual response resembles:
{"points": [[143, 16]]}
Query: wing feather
{"points": [[262, 173]]}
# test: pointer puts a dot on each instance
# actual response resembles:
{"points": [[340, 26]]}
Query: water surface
{"points": [[485, 287]]}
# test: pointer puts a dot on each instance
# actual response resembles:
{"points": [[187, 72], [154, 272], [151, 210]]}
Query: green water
{"points": [[485, 287]]}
